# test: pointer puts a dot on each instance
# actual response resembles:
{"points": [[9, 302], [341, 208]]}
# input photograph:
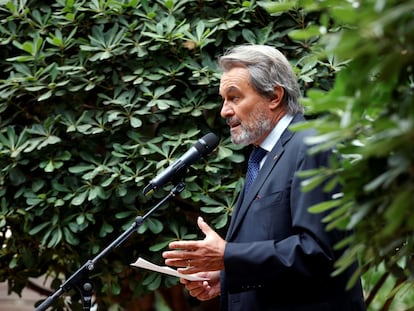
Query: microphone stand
{"points": [[81, 279]]}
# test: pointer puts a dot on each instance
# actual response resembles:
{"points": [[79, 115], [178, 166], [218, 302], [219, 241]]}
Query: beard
{"points": [[252, 130]]}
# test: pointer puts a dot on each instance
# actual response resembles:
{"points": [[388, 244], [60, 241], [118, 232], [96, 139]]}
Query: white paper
{"points": [[142, 263]]}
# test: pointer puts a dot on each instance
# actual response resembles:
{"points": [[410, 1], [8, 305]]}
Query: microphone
{"points": [[202, 147]]}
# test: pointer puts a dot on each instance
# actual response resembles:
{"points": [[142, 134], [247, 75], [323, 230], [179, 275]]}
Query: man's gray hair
{"points": [[268, 68]]}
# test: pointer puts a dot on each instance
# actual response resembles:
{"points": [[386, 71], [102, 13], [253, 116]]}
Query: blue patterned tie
{"points": [[253, 167]]}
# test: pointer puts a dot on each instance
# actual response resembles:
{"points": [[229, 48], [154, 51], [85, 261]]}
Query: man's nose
{"points": [[226, 110]]}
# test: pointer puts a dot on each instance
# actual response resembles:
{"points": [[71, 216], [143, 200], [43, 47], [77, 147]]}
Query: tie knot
{"points": [[257, 155]]}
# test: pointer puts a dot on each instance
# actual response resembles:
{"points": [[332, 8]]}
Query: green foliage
{"points": [[96, 98], [369, 116]]}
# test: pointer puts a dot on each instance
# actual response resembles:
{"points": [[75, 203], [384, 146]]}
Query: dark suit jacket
{"points": [[278, 255]]}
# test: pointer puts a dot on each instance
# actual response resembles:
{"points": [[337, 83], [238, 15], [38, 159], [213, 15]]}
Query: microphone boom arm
{"points": [[81, 277]]}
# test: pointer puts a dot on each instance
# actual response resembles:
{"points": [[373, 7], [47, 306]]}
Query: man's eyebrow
{"points": [[230, 89]]}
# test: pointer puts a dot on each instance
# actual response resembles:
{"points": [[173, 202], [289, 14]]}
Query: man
{"points": [[276, 255]]}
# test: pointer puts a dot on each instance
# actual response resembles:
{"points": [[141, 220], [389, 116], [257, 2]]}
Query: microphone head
{"points": [[202, 147], [207, 144]]}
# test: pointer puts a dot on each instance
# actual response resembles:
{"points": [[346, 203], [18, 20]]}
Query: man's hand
{"points": [[197, 256], [204, 290]]}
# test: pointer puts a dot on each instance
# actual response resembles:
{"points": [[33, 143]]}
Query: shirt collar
{"points": [[270, 141]]}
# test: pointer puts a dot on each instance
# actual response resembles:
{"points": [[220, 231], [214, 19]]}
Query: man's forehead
{"points": [[228, 89], [233, 80]]}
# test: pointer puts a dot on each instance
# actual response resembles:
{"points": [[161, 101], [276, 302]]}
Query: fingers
{"points": [[197, 256], [204, 290], [204, 227], [199, 290], [191, 245], [179, 259], [182, 251], [183, 245]]}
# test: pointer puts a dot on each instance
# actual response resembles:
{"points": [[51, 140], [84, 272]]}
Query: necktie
{"points": [[253, 166]]}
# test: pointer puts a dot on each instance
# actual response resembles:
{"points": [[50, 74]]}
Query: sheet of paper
{"points": [[142, 263]]}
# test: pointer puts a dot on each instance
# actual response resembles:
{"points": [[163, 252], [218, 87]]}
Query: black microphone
{"points": [[202, 147]]}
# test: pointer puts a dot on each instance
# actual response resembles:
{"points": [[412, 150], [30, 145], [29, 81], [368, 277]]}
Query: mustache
{"points": [[232, 120]]}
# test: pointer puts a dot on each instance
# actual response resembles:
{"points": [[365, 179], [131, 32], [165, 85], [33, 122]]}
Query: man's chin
{"points": [[239, 140]]}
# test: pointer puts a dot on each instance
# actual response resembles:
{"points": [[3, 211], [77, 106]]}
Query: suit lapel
{"points": [[243, 203]]}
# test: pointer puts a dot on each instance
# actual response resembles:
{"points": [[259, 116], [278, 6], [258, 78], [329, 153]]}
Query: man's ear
{"points": [[277, 97]]}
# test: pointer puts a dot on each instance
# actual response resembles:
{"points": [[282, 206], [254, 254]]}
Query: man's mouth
{"points": [[233, 123]]}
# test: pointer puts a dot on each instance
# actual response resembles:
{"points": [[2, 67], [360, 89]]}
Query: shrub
{"points": [[99, 96]]}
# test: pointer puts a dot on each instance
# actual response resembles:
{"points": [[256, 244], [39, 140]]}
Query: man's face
{"points": [[246, 112]]}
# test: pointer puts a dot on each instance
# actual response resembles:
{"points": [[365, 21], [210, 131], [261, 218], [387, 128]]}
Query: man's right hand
{"points": [[204, 290]]}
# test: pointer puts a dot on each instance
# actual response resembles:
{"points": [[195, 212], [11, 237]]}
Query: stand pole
{"points": [[81, 277]]}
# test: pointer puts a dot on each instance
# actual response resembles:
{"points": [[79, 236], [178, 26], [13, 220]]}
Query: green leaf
{"points": [[16, 176], [308, 33], [154, 225], [80, 168], [275, 7], [79, 198], [70, 237], [39, 228], [312, 183], [45, 96], [156, 282], [160, 246], [105, 229], [324, 206]]}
